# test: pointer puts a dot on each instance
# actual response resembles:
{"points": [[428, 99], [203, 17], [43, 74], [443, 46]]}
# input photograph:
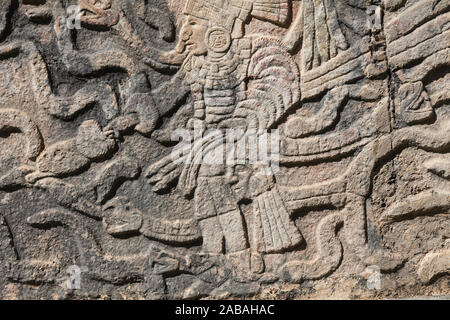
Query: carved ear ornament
{"points": [[218, 39]]}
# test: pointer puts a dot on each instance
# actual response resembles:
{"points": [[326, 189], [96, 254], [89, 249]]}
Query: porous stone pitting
{"points": [[114, 179]]}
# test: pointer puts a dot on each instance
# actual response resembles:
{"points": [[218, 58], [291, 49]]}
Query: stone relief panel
{"points": [[224, 148]]}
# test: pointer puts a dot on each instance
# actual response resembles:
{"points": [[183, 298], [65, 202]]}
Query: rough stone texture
{"points": [[92, 204]]}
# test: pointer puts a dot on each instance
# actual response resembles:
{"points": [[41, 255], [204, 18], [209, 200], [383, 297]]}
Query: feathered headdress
{"points": [[225, 13]]}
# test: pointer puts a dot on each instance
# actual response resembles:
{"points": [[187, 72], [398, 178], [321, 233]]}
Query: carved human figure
{"points": [[248, 84], [232, 88]]}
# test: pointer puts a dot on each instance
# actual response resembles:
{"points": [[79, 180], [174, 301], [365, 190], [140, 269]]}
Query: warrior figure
{"points": [[242, 83]]}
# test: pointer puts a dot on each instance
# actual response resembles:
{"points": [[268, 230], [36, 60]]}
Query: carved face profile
{"points": [[211, 26], [192, 36]]}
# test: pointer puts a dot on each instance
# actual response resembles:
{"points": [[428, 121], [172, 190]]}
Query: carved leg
{"points": [[212, 236], [219, 216], [233, 230]]}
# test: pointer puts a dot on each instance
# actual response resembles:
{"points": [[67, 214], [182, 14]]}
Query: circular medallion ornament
{"points": [[218, 39]]}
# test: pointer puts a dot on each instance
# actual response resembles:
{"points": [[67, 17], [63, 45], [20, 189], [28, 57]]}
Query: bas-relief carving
{"points": [[358, 91]]}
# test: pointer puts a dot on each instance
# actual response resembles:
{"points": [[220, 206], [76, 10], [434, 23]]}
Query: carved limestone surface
{"points": [[186, 149]]}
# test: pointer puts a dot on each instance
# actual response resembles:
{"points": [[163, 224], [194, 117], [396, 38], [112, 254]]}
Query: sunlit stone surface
{"points": [[224, 148]]}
